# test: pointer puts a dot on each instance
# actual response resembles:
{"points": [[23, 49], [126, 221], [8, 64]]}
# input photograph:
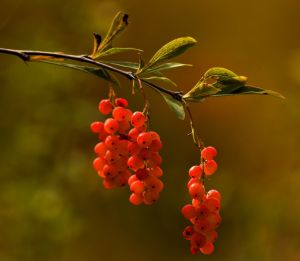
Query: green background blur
{"points": [[52, 203]]}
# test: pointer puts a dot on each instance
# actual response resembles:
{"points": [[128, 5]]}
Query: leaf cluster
{"points": [[215, 82]]}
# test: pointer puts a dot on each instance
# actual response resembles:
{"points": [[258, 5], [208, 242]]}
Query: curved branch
{"points": [[26, 56]]}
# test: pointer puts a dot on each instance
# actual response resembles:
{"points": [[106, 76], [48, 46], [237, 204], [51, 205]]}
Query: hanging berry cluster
{"points": [[203, 213], [127, 153]]}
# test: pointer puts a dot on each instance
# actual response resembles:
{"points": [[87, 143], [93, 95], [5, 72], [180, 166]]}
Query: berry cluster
{"points": [[203, 213], [127, 152]]}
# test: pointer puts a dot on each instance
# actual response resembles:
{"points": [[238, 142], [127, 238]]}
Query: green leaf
{"points": [[247, 89], [160, 78], [119, 23], [219, 74], [171, 50], [115, 50], [216, 80], [175, 105], [200, 91], [165, 66], [125, 64], [99, 72]]}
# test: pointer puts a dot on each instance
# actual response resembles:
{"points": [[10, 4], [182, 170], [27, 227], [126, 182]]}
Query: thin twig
{"points": [[197, 140]]}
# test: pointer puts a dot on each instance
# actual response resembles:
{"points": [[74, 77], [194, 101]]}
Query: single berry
{"points": [[208, 153], [121, 102], [210, 167], [188, 211], [99, 163], [138, 119], [142, 174], [196, 190], [144, 139], [207, 249], [195, 172], [214, 194], [97, 126], [137, 187], [111, 125], [121, 114], [135, 199], [212, 204], [100, 149], [135, 163], [105, 106], [188, 232]]}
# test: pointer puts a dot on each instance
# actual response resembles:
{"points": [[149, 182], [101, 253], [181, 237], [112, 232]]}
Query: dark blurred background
{"points": [[53, 206]]}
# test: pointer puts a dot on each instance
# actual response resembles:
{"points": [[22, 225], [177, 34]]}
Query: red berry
{"points": [[100, 149], [202, 211], [121, 102], [108, 184], [138, 119], [121, 114], [207, 249], [194, 250], [142, 174], [211, 236], [111, 156], [135, 163], [212, 204], [196, 190], [105, 106], [214, 220], [192, 181], [156, 172], [188, 211], [124, 126], [112, 142], [133, 148], [109, 170], [97, 126], [188, 232], [132, 179], [133, 134], [99, 163], [150, 197], [195, 172], [210, 167], [154, 160], [198, 240], [202, 225], [214, 194], [135, 199], [208, 153], [144, 139], [156, 145], [154, 135], [137, 187], [111, 125]]}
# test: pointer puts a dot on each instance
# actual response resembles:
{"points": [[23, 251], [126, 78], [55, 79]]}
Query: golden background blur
{"points": [[53, 206]]}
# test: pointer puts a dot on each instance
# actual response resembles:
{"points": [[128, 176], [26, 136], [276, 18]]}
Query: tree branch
{"points": [[26, 56]]}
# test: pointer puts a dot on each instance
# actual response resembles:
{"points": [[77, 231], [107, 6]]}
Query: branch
{"points": [[26, 55]]}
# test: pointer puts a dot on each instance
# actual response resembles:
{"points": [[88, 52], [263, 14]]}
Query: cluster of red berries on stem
{"points": [[127, 153], [203, 213]]}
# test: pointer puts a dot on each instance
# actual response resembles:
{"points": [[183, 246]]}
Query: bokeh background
{"points": [[52, 203]]}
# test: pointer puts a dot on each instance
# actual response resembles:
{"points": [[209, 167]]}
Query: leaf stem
{"points": [[197, 140]]}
